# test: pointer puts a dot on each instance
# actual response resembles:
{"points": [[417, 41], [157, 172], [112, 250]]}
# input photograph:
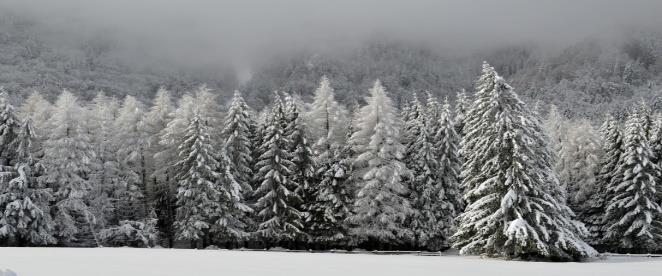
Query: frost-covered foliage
{"points": [[510, 184], [381, 205], [9, 127], [578, 163], [633, 214], [24, 201], [303, 166], [67, 158], [331, 200], [129, 192], [205, 205], [131, 233], [276, 206], [462, 105], [593, 211]]}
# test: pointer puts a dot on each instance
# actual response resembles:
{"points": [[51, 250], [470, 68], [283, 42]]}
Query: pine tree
{"points": [[24, 201], [381, 205], [279, 219], [594, 210], [510, 186], [633, 214], [67, 158]]}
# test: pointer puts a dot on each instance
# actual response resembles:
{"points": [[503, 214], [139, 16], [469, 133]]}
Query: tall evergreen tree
{"points": [[24, 201], [67, 159], [381, 205], [330, 204], [512, 210], [9, 128], [161, 188], [593, 213], [276, 207], [633, 214], [129, 194], [424, 185]]}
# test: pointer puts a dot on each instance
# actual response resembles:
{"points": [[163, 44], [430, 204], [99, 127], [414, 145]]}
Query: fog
{"points": [[207, 32]]}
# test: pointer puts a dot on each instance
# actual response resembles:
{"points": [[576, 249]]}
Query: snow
{"points": [[165, 262]]}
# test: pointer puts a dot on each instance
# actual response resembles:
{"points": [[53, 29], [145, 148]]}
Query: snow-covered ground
{"points": [[165, 262]]}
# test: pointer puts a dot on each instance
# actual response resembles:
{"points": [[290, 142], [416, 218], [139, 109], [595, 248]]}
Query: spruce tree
{"points": [[276, 206], [381, 205], [9, 128], [632, 217], [447, 203], [510, 186], [593, 213], [24, 201]]}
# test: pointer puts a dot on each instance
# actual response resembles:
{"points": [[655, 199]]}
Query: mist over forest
{"points": [[584, 56]]}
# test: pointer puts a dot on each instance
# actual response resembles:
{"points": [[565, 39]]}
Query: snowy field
{"points": [[165, 262]]}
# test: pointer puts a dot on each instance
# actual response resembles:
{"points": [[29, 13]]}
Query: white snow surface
{"points": [[165, 262]]}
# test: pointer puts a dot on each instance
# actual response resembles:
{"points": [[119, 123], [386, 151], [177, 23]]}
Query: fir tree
{"points": [[512, 210], [9, 128], [594, 210], [381, 205], [24, 201], [303, 165], [204, 205], [279, 219], [633, 214]]}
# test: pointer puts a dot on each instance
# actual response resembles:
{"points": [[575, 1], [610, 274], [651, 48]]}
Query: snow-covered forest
{"points": [[396, 129], [486, 174]]}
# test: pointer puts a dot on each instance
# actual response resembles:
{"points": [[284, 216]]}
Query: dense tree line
{"points": [[488, 178]]}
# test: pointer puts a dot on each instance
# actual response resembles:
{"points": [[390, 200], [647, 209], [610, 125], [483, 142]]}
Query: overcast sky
{"points": [[238, 31]]}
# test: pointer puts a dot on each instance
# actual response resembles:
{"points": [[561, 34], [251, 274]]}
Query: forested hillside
{"points": [[584, 79]]}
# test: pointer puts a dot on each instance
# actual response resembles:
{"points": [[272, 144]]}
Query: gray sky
{"points": [[205, 32]]}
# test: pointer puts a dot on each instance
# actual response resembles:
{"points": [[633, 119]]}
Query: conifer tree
{"points": [[129, 193], [510, 186], [633, 214], [330, 204], [24, 201], [161, 188], [276, 206], [593, 213], [204, 205], [381, 205], [303, 165], [9, 128], [67, 159], [424, 185]]}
